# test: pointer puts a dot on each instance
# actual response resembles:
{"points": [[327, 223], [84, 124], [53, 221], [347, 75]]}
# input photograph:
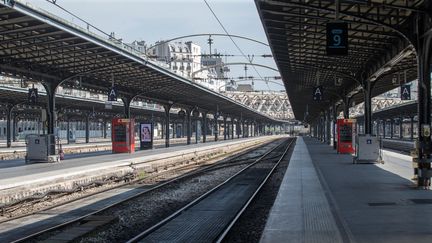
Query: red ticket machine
{"points": [[123, 135], [345, 136]]}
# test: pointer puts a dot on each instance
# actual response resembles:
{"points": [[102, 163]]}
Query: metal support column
{"points": [[323, 131], [216, 127], [14, 127], [228, 127], [384, 128], [225, 127], [391, 127], [232, 128], [412, 128], [167, 109], [334, 119], [188, 126], [400, 128], [126, 105], [238, 128], [8, 125], [346, 107], [162, 129], [50, 89], [87, 128], [328, 124], [367, 90], [204, 126], [243, 129], [104, 129], [183, 127], [196, 130], [422, 42], [68, 131]]}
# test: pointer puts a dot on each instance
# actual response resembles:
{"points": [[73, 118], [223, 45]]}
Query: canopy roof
{"points": [[39, 46], [379, 50]]}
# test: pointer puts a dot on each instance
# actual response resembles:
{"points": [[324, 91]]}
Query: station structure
{"points": [[40, 47], [352, 51], [331, 55]]}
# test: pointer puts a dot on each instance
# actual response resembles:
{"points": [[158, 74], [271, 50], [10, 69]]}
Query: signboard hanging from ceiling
{"points": [[112, 94], [33, 95], [337, 38], [317, 93], [405, 92]]}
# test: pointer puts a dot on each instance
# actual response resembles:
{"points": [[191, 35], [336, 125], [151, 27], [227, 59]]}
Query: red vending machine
{"points": [[345, 136], [123, 135]]}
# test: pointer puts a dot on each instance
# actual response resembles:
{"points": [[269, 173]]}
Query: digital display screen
{"points": [[345, 133], [120, 133], [146, 132], [337, 38], [146, 135]]}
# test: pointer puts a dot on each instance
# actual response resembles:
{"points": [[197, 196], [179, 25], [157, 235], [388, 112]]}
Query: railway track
{"points": [[210, 217], [398, 145], [237, 160]]}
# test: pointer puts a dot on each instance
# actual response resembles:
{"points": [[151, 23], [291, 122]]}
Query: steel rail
{"points": [[152, 229], [151, 189], [246, 205]]}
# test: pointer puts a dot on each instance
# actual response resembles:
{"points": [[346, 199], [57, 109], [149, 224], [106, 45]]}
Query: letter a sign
{"points": [[317, 93], [405, 92], [33, 95], [112, 94]]}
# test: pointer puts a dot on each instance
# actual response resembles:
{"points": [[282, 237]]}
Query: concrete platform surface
{"points": [[348, 202], [18, 149], [14, 176]]}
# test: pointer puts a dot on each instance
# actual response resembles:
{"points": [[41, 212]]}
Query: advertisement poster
{"points": [[146, 135]]}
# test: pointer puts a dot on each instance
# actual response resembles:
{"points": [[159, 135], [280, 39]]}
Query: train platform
{"points": [[20, 180], [326, 198], [18, 149]]}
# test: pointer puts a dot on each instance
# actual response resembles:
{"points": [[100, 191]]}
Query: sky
{"points": [[153, 20]]}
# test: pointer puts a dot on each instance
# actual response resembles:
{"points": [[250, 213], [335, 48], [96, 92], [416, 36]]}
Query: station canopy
{"points": [[39, 46], [70, 107], [378, 49]]}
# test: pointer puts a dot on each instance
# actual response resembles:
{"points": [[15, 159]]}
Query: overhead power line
{"points": [[233, 41]]}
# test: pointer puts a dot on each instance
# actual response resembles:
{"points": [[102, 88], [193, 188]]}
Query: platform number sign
{"points": [[337, 38], [33, 95], [112, 94], [317, 93], [405, 92]]}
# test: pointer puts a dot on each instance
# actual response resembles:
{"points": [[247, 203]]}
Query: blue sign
{"points": [[33, 95], [337, 38], [112, 94], [317, 93], [405, 92]]}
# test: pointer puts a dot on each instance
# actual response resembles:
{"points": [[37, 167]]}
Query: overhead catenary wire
{"points": [[233, 41]]}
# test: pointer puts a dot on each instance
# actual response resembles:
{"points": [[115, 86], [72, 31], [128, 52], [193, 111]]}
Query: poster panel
{"points": [[146, 135]]}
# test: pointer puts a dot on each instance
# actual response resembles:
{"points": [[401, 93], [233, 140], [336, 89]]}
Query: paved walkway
{"points": [[17, 173], [326, 198]]}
